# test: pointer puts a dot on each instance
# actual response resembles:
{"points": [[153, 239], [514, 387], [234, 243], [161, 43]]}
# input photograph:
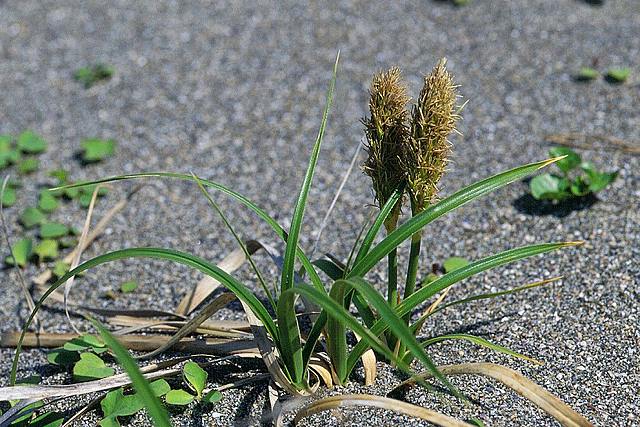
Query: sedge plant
{"points": [[348, 303]]}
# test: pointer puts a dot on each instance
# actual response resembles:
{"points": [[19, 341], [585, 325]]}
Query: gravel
{"points": [[234, 92]]}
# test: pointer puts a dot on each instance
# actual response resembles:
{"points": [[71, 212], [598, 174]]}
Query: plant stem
{"points": [[412, 269], [392, 273], [392, 285]]}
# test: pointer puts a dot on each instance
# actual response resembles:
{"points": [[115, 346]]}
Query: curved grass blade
{"points": [[455, 276], [239, 241], [261, 213], [228, 281], [336, 335], [429, 312], [517, 382], [448, 204], [288, 267], [287, 321], [290, 342], [157, 412], [482, 342], [398, 327], [346, 400], [332, 308], [497, 294], [377, 224]]}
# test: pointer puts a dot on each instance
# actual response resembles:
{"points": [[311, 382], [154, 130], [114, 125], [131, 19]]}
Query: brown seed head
{"points": [[387, 132], [433, 119]]}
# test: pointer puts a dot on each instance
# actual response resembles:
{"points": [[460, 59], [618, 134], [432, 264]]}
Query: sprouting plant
{"points": [[91, 75], [576, 178], [95, 150], [586, 74], [618, 75], [415, 145]]}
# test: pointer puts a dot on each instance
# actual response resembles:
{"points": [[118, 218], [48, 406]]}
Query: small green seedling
{"points": [[117, 404], [31, 143], [31, 217], [586, 74], [91, 367], [47, 202], [22, 251], [89, 76], [128, 287], [53, 230], [576, 178], [46, 250], [28, 165], [9, 197], [618, 75], [95, 150], [9, 155], [196, 379], [60, 268]]}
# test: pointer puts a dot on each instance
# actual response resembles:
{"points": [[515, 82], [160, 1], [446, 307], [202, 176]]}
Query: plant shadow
{"points": [[528, 205]]}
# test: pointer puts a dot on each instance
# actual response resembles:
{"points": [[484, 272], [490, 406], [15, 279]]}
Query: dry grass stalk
{"points": [[518, 383]]}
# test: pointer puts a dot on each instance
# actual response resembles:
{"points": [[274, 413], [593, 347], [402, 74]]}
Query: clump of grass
{"points": [[407, 155]]}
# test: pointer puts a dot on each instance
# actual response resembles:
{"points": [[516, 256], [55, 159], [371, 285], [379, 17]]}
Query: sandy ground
{"points": [[235, 93]]}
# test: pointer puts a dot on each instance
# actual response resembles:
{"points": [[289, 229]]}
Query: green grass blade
{"points": [[377, 224], [154, 407], [261, 213], [484, 264], [399, 329], [287, 320], [479, 341], [238, 240], [228, 281], [448, 204], [288, 268], [496, 294], [312, 338], [329, 268], [332, 308], [290, 343], [337, 336]]}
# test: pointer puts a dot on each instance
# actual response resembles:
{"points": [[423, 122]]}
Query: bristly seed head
{"points": [[433, 119], [387, 133]]}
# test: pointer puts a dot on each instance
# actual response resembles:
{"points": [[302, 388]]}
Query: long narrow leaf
{"points": [[337, 336], [261, 213], [481, 342], [332, 308], [157, 412], [289, 329], [288, 268], [497, 294], [239, 241], [448, 204], [455, 276], [398, 327], [241, 291], [377, 224]]}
